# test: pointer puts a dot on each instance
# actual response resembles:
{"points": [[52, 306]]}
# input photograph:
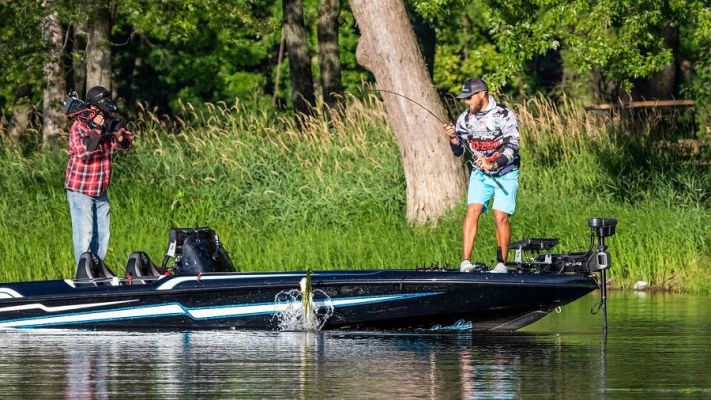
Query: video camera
{"points": [[111, 125], [73, 104]]}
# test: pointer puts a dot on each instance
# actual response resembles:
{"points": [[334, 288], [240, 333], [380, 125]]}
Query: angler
{"points": [[489, 132]]}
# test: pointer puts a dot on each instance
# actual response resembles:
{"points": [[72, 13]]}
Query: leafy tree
{"points": [[21, 48], [624, 40]]}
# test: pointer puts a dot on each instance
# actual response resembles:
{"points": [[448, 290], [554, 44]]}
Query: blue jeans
{"points": [[90, 223]]}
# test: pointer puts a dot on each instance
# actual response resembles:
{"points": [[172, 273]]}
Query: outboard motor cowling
{"points": [[197, 251]]}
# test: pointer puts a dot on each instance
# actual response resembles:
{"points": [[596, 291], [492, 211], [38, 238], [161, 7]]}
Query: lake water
{"points": [[657, 346]]}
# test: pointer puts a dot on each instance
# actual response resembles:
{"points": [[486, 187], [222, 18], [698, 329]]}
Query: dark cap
{"points": [[472, 87], [100, 97]]}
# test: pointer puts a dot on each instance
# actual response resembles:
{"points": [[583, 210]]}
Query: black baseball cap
{"points": [[472, 87], [100, 97]]}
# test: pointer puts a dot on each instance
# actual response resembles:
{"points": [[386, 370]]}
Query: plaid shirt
{"points": [[89, 172]]}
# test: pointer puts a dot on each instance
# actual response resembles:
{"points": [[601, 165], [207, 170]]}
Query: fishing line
{"points": [[473, 152], [413, 101]]}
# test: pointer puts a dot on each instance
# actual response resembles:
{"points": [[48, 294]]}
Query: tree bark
{"points": [[329, 62], [302, 86], [98, 46], [79, 57], [436, 180], [21, 112], [55, 89]]}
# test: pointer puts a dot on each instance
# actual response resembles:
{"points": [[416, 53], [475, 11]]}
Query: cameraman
{"points": [[94, 136]]}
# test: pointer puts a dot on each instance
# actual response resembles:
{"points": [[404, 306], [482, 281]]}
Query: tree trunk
{"points": [[19, 122], [79, 57], [329, 62], [55, 89], [302, 86], [98, 46], [661, 85], [21, 112], [436, 180]]}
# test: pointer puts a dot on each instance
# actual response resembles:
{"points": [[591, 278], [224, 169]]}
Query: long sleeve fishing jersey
{"points": [[89, 170], [491, 133]]}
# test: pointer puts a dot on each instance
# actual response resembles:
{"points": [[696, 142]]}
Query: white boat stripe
{"points": [[173, 282], [128, 313], [61, 308], [194, 313], [271, 308], [7, 293]]}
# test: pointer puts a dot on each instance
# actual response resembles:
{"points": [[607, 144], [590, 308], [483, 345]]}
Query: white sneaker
{"points": [[466, 266], [500, 268]]}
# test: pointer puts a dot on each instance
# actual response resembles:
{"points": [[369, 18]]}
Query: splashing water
{"points": [[293, 315]]}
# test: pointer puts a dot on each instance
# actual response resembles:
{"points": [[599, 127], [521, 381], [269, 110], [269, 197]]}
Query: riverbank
{"points": [[333, 196]]}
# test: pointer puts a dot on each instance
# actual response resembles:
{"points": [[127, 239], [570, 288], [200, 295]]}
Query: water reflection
{"points": [[655, 347], [98, 365], [87, 375]]}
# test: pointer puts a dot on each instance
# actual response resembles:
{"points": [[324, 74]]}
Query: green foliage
{"points": [[697, 35], [20, 40], [622, 40]]}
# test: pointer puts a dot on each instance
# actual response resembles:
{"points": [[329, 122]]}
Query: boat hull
{"points": [[400, 299]]}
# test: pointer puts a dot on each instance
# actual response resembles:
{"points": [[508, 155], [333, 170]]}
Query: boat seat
{"points": [[91, 267], [139, 265]]}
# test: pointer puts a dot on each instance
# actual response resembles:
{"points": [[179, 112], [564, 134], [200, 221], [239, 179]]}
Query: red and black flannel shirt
{"points": [[89, 172]]}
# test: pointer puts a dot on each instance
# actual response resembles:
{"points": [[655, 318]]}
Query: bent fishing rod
{"points": [[474, 153]]}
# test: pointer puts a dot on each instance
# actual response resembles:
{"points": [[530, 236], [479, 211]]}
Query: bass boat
{"points": [[196, 287]]}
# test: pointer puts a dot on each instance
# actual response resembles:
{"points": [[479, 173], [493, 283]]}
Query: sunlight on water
{"points": [[460, 325], [292, 316]]}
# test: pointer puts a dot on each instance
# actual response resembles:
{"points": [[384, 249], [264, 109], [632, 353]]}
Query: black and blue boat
{"points": [[200, 290]]}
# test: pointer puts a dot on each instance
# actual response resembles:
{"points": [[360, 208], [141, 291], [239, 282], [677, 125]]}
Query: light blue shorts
{"points": [[482, 188]]}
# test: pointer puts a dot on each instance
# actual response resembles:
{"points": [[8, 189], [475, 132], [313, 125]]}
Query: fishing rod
{"points": [[411, 100], [474, 153]]}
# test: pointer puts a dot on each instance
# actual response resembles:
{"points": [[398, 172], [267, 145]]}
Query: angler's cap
{"points": [[472, 87], [100, 97]]}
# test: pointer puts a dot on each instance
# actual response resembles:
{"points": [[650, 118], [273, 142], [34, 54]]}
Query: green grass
{"points": [[332, 196]]}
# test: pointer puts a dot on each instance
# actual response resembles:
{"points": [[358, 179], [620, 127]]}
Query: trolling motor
{"points": [[600, 261], [588, 262]]}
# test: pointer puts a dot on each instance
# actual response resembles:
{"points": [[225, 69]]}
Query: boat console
{"points": [[533, 244]]}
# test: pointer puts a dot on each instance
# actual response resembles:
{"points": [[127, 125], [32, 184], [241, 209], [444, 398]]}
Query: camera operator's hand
{"points": [[91, 142], [119, 135], [111, 126]]}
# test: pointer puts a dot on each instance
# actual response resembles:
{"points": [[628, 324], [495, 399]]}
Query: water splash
{"points": [[460, 325], [293, 314]]}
